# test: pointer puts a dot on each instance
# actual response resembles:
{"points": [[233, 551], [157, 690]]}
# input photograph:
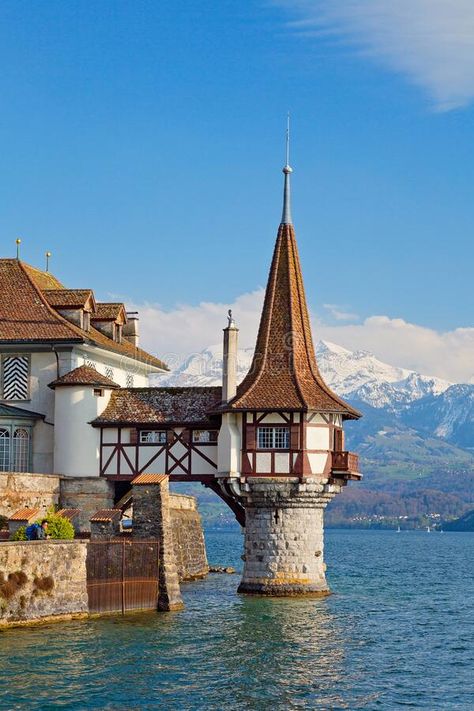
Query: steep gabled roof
{"points": [[284, 374], [27, 317], [84, 375]]}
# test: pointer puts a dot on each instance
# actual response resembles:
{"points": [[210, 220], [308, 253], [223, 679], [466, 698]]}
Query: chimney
{"points": [[229, 363], [130, 328]]}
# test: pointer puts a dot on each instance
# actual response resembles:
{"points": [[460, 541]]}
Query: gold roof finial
{"points": [[18, 242]]}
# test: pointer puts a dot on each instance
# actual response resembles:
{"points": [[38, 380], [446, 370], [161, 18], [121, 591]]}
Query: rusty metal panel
{"points": [[122, 575]]}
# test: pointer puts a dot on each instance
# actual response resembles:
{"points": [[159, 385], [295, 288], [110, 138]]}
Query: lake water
{"points": [[398, 632]]}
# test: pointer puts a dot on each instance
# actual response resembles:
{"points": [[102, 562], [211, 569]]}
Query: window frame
{"points": [[161, 441], [261, 429], [210, 441], [9, 461]]}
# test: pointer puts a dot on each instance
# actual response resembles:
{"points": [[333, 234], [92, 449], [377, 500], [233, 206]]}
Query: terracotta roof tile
{"points": [[27, 317], [69, 513], [105, 515], [149, 479], [68, 298], [284, 374], [25, 514], [109, 311], [84, 375], [43, 280], [160, 405]]}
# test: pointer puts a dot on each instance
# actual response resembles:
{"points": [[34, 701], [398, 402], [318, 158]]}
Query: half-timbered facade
{"points": [[74, 388]]}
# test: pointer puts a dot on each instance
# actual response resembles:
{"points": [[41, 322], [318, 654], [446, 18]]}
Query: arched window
{"points": [[4, 450], [21, 450]]}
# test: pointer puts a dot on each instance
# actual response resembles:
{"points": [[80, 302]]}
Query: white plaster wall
{"points": [[317, 437], [229, 444], [264, 462], [157, 466], [121, 366], [43, 448], [43, 370], [199, 465], [317, 419], [282, 463], [76, 447], [110, 435], [273, 418], [317, 462]]}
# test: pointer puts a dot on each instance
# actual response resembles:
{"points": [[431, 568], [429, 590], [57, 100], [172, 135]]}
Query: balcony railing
{"points": [[345, 462]]}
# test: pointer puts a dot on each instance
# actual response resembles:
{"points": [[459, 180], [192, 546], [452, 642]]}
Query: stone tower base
{"points": [[284, 536]]}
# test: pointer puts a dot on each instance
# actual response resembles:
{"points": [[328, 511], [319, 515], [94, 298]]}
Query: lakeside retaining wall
{"points": [[42, 580], [188, 538]]}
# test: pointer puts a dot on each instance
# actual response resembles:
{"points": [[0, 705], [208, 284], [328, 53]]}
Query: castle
{"points": [[75, 400]]}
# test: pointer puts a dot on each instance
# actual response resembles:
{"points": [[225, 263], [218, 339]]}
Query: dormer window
{"points": [[118, 332], [86, 319]]}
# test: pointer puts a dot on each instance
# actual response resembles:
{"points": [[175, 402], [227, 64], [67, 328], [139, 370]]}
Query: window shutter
{"points": [[338, 440], [15, 377], [133, 436], [250, 437], [295, 437]]}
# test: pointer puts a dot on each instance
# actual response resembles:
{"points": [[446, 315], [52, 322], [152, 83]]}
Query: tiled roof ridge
{"points": [[293, 274]]}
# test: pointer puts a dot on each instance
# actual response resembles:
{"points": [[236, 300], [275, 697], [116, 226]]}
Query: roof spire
{"points": [[286, 215]]}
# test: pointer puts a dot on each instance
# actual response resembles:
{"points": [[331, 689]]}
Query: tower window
{"points": [[273, 438]]}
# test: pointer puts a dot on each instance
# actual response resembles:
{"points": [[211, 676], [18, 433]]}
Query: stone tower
{"points": [[288, 427]]}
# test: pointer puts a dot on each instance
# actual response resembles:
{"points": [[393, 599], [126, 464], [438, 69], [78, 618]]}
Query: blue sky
{"points": [[142, 143]]}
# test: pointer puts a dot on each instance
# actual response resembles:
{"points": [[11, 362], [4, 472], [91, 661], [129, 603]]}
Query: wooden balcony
{"points": [[345, 465]]}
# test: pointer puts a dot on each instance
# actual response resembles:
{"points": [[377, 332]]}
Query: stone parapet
{"points": [[284, 536]]}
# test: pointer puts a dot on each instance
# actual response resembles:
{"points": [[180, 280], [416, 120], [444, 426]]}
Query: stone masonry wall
{"points": [[88, 494], [284, 536], [27, 490], [188, 538], [41, 580]]}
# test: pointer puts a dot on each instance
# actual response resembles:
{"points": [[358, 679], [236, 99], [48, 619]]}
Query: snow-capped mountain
{"points": [[386, 394], [449, 415], [353, 375]]}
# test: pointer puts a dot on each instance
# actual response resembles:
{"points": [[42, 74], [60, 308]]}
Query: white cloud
{"points": [[338, 313], [186, 329], [431, 42]]}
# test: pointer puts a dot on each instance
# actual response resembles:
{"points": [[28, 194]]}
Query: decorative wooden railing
{"points": [[345, 462]]}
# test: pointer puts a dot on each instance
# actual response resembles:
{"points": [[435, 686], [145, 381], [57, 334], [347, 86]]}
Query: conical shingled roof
{"points": [[284, 374]]}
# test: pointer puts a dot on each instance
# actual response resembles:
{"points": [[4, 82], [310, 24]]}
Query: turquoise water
{"points": [[397, 633]]}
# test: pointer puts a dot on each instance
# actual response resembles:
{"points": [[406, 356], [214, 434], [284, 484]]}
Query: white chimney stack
{"points": [[229, 364]]}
